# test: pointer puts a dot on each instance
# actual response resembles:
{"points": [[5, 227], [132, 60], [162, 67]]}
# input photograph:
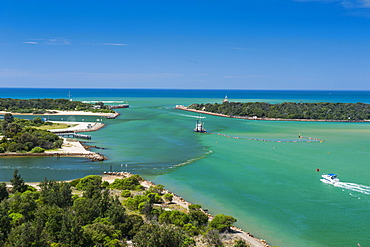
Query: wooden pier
{"points": [[69, 134]]}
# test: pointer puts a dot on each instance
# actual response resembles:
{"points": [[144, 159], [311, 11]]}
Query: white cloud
{"points": [[4, 72], [58, 41], [64, 41], [244, 76], [31, 42], [53, 41], [114, 44], [344, 3], [106, 44], [125, 75], [237, 48]]}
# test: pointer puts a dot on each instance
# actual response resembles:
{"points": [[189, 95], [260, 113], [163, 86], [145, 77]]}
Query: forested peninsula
{"points": [[90, 212], [22, 135], [42, 106], [290, 110]]}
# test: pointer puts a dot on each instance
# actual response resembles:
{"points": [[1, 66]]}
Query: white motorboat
{"points": [[329, 178]]}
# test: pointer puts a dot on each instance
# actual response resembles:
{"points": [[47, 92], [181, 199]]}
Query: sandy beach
{"points": [[79, 126], [70, 147]]}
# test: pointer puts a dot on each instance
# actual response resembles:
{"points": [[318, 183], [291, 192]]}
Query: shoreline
{"points": [[77, 149], [181, 202], [70, 147], [184, 108], [58, 112], [249, 238]]}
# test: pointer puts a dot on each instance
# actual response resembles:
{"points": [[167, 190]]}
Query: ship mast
{"points": [[69, 95]]}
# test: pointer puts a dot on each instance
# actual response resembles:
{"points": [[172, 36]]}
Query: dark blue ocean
{"points": [[250, 95]]}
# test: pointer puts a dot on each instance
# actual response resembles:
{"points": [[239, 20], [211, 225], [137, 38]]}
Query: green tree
{"points": [[154, 235], [213, 238], [130, 183], [191, 229], [168, 197], [126, 193], [55, 193], [18, 183], [3, 191], [174, 217], [222, 222], [154, 197], [240, 243], [24, 204], [8, 118], [37, 121], [86, 210], [91, 185], [131, 225], [37, 150], [198, 218], [5, 222], [101, 233]]}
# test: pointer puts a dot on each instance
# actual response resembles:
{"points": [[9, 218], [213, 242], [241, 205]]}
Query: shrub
{"points": [[126, 193], [222, 222], [168, 198], [75, 182], [37, 150], [130, 183]]}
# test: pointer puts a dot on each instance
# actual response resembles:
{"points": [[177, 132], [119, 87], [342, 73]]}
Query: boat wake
{"points": [[186, 115], [364, 189]]}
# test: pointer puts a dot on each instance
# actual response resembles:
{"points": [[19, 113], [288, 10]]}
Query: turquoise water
{"points": [[272, 188]]}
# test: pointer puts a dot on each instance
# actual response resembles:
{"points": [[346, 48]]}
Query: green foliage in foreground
{"points": [[130, 183], [39, 106], [290, 110], [55, 217]]}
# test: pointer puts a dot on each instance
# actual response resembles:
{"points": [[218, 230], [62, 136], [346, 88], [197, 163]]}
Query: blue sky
{"points": [[235, 44]]}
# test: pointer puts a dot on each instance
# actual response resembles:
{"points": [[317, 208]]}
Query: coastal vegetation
{"points": [[89, 212], [21, 135], [290, 110], [41, 106]]}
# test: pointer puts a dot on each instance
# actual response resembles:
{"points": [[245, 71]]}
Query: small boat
{"points": [[199, 125], [329, 178]]}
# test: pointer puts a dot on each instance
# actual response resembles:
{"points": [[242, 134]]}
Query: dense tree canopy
{"points": [[40, 106], [55, 216], [290, 110], [19, 135]]}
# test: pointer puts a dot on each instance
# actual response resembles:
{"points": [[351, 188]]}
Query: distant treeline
{"points": [[40, 106], [290, 110]]}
